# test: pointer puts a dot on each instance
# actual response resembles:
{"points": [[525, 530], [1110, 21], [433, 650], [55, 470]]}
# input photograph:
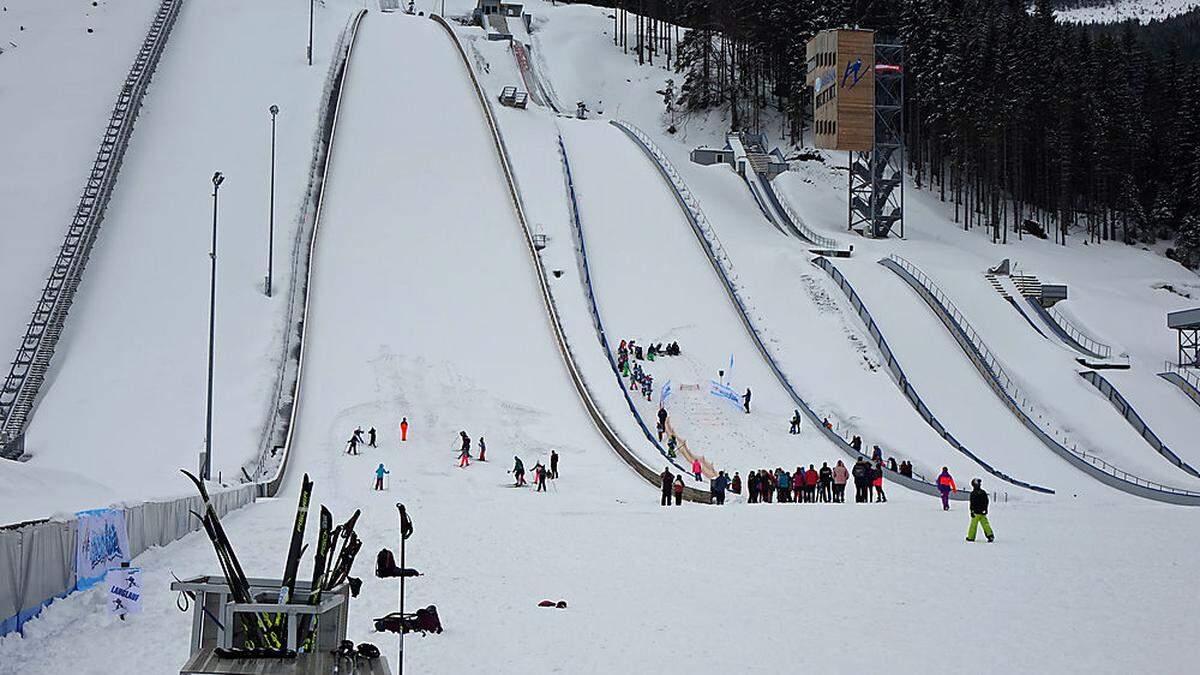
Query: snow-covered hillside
{"points": [[1110, 11], [426, 305]]}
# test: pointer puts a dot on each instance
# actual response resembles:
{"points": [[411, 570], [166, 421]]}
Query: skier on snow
{"points": [[539, 477], [380, 472], [482, 450], [518, 471], [554, 464], [464, 454], [371, 437]]}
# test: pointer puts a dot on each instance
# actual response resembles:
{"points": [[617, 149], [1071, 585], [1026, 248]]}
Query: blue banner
{"points": [[101, 544], [667, 390], [724, 391]]}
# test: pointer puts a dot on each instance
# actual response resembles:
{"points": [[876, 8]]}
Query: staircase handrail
{"points": [[26, 375], [1096, 347]]}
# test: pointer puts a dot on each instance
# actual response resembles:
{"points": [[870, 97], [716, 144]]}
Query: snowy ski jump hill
{"points": [[426, 301]]}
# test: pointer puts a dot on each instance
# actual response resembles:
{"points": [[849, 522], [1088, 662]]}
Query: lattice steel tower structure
{"points": [[877, 175]]}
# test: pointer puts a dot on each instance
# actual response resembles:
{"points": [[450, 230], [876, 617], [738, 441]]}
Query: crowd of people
{"points": [[629, 352]]}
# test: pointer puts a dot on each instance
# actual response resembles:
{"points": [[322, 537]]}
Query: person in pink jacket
{"points": [[840, 475], [696, 469]]}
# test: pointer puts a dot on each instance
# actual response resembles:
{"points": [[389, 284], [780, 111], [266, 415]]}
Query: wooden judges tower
{"points": [[858, 96]]}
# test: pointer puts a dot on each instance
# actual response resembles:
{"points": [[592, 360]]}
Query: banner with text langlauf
{"points": [[124, 590], [724, 391], [101, 544]]}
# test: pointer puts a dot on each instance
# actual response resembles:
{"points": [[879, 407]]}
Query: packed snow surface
{"points": [[425, 305]]}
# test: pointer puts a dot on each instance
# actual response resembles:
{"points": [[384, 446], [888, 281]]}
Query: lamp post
{"points": [[310, 30], [206, 474], [271, 219]]}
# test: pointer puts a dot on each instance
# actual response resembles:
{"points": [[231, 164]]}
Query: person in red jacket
{"points": [[877, 475], [697, 470], [404, 429], [810, 483], [945, 485]]}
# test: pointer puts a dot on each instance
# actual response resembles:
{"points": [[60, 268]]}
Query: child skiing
{"points": [[352, 445], [464, 454], [380, 472], [539, 477], [482, 450]]}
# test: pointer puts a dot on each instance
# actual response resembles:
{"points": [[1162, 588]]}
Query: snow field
{"points": [[123, 406], [59, 84]]}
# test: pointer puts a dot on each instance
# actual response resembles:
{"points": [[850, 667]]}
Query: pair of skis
{"points": [[327, 575]]}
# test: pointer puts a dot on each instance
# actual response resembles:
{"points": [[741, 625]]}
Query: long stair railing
{"points": [[723, 267], [590, 405], [902, 380], [275, 443], [35, 351], [1081, 341], [1006, 389]]}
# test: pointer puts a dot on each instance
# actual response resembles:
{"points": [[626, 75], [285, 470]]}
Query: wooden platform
{"points": [[205, 662]]}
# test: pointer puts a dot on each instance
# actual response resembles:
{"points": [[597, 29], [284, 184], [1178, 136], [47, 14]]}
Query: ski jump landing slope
{"points": [[123, 404], [953, 389]]}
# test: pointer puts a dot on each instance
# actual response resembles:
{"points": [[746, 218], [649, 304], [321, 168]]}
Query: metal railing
{"points": [[1188, 375], [1135, 420], [798, 222], [552, 315], [35, 351], [1010, 394], [281, 415], [1098, 348], [902, 381], [724, 269]]}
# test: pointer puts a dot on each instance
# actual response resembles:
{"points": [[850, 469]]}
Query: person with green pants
{"points": [[979, 508]]}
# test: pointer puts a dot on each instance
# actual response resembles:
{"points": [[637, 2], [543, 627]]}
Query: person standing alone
{"points": [[945, 485], [746, 400], [380, 472], [979, 509], [403, 429], [554, 464]]}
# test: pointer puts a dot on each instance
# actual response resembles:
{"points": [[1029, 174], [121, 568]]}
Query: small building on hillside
{"points": [[769, 164], [490, 7]]}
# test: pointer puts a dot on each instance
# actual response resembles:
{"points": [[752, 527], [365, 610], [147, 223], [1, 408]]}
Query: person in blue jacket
{"points": [[380, 472], [784, 486]]}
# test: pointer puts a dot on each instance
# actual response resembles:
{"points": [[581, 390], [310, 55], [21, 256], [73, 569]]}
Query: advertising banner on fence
{"points": [[724, 391], [124, 590], [667, 390], [101, 543]]}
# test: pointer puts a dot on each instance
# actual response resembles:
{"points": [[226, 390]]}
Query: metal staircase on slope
{"points": [[28, 370]]}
